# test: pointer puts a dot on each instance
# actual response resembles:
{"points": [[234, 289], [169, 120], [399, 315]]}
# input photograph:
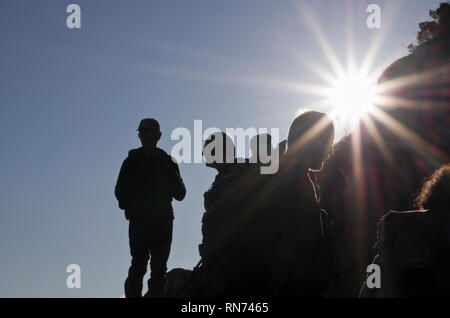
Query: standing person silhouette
{"points": [[148, 181], [297, 231]]}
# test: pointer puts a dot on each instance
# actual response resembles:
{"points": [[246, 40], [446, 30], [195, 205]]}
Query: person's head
{"points": [[149, 132], [435, 193], [261, 145], [219, 151], [310, 139]]}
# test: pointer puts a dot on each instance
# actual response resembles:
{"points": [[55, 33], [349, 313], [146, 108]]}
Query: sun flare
{"points": [[352, 96]]}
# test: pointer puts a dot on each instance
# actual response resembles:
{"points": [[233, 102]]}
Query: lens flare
{"points": [[352, 96]]}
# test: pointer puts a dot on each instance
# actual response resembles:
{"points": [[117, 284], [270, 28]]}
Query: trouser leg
{"points": [[159, 252], [139, 251]]}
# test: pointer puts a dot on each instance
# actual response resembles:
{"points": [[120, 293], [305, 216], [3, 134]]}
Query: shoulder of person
{"points": [[393, 216], [165, 157], [386, 219], [134, 156], [134, 153], [395, 221]]}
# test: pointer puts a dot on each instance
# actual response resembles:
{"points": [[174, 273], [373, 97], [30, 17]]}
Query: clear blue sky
{"points": [[71, 101]]}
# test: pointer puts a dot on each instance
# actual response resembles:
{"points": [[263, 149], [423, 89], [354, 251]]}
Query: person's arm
{"points": [[122, 189], [385, 242], [178, 188]]}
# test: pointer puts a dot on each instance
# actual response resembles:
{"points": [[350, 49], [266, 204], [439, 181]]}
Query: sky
{"points": [[71, 100]]}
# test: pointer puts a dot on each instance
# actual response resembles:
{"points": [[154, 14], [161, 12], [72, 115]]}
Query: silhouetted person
{"points": [[148, 181], [219, 152], [230, 206], [296, 230], [218, 149], [414, 246], [348, 272]]}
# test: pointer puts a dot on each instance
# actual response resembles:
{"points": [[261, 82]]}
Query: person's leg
{"points": [[139, 251], [159, 251]]}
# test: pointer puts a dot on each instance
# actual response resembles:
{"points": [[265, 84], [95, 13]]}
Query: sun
{"points": [[352, 96]]}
